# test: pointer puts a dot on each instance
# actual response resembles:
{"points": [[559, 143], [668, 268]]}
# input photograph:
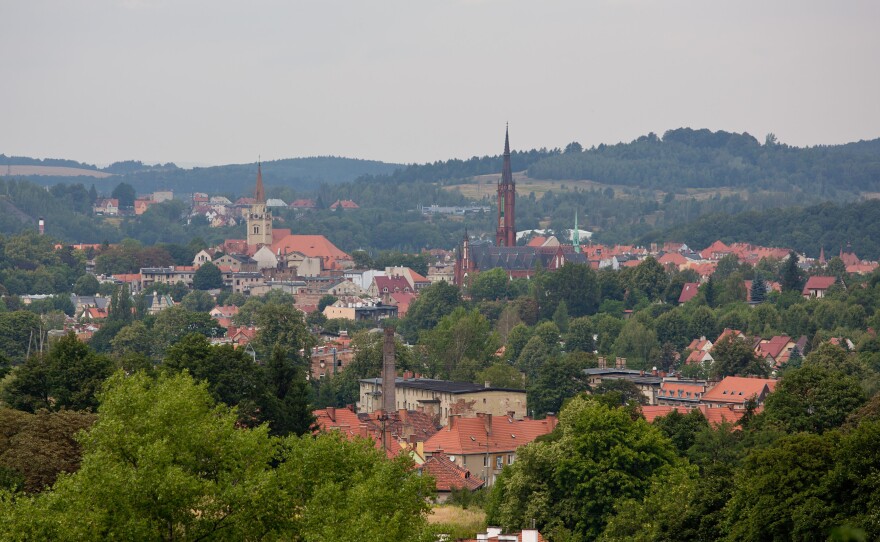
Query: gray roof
{"points": [[444, 386]]}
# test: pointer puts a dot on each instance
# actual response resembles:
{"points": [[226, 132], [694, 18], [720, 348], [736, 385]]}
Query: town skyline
{"points": [[203, 84]]}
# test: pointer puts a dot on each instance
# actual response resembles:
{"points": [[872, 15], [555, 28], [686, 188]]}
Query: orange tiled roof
{"points": [[737, 389], [468, 435], [818, 283], [313, 246], [448, 476], [715, 416], [689, 291]]}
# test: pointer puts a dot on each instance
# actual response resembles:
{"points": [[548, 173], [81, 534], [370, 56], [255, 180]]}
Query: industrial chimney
{"points": [[389, 373]]}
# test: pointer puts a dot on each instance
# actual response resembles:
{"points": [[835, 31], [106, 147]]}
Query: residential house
{"points": [[344, 204], [237, 262], [330, 359], [167, 275], [735, 391], [817, 287], [485, 444], [142, 203], [304, 266], [681, 392], [384, 285], [106, 207], [688, 292], [775, 350], [448, 476], [304, 204], [201, 258], [444, 398], [265, 258]]}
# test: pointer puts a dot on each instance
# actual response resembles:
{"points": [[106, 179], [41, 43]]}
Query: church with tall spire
{"points": [[505, 234], [517, 262], [259, 218]]}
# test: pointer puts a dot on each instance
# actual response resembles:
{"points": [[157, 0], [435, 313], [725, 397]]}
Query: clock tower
{"points": [[259, 218]]}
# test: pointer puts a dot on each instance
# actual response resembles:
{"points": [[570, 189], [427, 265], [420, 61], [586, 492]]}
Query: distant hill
{"points": [[805, 229], [687, 158], [300, 174]]}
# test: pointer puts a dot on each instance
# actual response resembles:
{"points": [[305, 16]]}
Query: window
{"points": [[510, 459], [499, 462], [485, 460]]}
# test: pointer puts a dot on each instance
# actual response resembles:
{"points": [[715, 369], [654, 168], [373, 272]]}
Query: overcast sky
{"points": [[223, 81]]}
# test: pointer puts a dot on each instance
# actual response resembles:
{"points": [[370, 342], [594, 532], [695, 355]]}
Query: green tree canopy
{"points": [[568, 485], [208, 277]]}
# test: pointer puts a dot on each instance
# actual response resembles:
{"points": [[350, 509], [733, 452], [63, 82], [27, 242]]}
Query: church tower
{"points": [[505, 235], [259, 219]]}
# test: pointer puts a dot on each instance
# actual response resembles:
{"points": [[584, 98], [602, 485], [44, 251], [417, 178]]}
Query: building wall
{"points": [[259, 225], [332, 312], [495, 402]]}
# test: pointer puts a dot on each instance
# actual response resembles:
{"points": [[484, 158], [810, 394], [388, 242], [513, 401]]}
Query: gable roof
{"points": [[689, 291], [448, 476], [774, 346], [818, 283]]}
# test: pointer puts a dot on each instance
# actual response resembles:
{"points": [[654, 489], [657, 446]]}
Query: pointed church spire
{"points": [[506, 171], [576, 235], [822, 255], [260, 192]]}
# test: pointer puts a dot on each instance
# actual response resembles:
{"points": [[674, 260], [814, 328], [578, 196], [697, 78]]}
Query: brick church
{"points": [[517, 261]]}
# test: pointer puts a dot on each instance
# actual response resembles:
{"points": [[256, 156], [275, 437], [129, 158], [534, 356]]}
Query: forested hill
{"points": [[686, 158], [299, 174], [805, 229]]}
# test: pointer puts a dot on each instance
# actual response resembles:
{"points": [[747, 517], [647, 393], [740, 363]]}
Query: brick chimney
{"points": [[620, 363], [389, 373], [362, 430], [451, 421], [551, 420], [487, 421], [331, 413], [602, 363]]}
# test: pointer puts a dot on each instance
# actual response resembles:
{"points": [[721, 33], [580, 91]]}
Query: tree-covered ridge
{"points": [[687, 158], [804, 229]]}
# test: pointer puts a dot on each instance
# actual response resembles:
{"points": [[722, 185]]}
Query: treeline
{"points": [[687, 158], [804, 229]]}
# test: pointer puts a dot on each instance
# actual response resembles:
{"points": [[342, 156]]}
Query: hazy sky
{"points": [[222, 81]]}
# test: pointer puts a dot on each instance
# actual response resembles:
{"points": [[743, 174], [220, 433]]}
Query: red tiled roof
{"points": [[729, 332], [715, 416], [468, 435], [700, 344], [818, 283], [403, 300], [672, 258], [738, 390], [715, 248], [536, 241], [773, 347], [688, 292], [313, 246], [128, 277], [304, 204], [448, 475], [345, 204], [393, 284]]}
